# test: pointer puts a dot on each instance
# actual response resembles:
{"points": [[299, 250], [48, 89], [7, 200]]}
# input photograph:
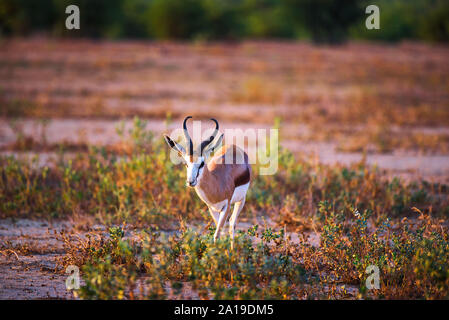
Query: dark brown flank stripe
{"points": [[242, 179]]}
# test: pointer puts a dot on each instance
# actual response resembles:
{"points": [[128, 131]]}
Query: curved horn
{"points": [[187, 136], [211, 138]]}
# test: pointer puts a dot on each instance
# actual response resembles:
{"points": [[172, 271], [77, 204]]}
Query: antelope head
{"points": [[194, 160]]}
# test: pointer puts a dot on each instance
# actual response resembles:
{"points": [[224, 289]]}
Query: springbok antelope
{"points": [[223, 181]]}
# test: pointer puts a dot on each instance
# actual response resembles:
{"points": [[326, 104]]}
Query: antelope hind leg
{"points": [[221, 220], [238, 206]]}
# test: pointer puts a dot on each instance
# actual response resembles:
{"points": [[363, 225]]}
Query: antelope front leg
{"points": [[238, 206], [221, 220], [215, 215]]}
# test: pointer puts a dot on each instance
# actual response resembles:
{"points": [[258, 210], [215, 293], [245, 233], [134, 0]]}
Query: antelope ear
{"points": [[213, 147], [169, 141], [174, 145]]}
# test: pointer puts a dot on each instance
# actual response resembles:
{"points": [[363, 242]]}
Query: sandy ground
{"points": [[31, 275], [34, 274]]}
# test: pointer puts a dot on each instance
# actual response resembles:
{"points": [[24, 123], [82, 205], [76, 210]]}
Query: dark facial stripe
{"points": [[198, 171], [243, 178], [197, 174]]}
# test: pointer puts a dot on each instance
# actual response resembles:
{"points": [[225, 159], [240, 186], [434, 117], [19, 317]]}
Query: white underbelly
{"points": [[239, 193]]}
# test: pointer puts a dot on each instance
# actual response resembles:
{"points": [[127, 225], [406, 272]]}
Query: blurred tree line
{"points": [[319, 20]]}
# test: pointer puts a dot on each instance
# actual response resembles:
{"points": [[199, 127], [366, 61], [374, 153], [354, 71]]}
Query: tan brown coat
{"points": [[219, 180]]}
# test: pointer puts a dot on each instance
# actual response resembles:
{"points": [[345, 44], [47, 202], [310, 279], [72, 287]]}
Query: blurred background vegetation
{"points": [[318, 20]]}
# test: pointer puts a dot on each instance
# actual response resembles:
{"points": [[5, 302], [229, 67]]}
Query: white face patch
{"points": [[194, 171]]}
